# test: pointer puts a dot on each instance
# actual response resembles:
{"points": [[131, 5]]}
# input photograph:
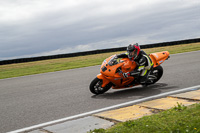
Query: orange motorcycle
{"points": [[112, 69]]}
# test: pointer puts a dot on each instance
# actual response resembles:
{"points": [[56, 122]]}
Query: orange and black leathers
{"points": [[144, 65]]}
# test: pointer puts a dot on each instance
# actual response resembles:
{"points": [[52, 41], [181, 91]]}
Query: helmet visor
{"points": [[132, 54]]}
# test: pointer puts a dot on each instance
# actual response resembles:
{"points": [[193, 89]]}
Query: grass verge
{"points": [[180, 119], [29, 68]]}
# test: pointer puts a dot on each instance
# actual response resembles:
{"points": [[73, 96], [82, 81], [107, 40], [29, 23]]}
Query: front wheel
{"points": [[95, 86]]}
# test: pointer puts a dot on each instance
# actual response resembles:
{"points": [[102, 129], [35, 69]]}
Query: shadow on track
{"points": [[137, 91]]}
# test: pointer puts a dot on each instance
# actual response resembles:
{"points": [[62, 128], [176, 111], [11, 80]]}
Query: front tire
{"points": [[95, 86]]}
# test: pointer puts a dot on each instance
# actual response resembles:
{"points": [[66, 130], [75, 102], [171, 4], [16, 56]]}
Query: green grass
{"points": [[22, 69], [180, 119]]}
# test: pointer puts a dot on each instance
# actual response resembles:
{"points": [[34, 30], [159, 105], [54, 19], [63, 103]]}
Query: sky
{"points": [[31, 28]]}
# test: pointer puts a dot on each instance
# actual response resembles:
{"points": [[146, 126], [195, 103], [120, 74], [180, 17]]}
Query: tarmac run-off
{"points": [[107, 117]]}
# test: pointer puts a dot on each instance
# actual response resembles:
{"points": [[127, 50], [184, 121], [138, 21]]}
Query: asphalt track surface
{"points": [[35, 99]]}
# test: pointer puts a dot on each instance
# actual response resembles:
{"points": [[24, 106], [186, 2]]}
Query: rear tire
{"points": [[155, 72], [95, 86]]}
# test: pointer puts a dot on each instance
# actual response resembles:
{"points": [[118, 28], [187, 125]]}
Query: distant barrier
{"points": [[21, 60]]}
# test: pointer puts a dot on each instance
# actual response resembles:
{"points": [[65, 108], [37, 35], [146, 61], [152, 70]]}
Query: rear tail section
{"points": [[159, 57]]}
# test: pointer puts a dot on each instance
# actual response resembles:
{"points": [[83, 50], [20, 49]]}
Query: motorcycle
{"points": [[112, 69]]}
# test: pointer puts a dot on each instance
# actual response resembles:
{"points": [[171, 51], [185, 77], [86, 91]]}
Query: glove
{"points": [[126, 75]]}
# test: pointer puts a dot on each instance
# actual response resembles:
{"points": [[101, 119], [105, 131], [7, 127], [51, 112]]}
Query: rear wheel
{"points": [[155, 74], [95, 86]]}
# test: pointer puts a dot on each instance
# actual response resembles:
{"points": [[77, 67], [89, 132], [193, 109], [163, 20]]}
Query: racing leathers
{"points": [[144, 65]]}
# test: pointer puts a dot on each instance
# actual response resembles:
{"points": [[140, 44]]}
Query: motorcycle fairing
{"points": [[159, 57], [109, 71]]}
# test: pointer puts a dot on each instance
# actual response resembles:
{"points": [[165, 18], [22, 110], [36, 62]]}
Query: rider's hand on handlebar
{"points": [[126, 75]]}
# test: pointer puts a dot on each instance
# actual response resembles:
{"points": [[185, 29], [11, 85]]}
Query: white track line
{"points": [[103, 109]]}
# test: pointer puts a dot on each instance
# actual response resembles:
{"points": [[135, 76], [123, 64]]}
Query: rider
{"points": [[143, 61]]}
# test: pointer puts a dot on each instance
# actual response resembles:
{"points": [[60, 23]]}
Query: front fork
{"points": [[105, 80]]}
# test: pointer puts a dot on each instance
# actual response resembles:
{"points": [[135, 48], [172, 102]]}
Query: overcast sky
{"points": [[47, 27]]}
